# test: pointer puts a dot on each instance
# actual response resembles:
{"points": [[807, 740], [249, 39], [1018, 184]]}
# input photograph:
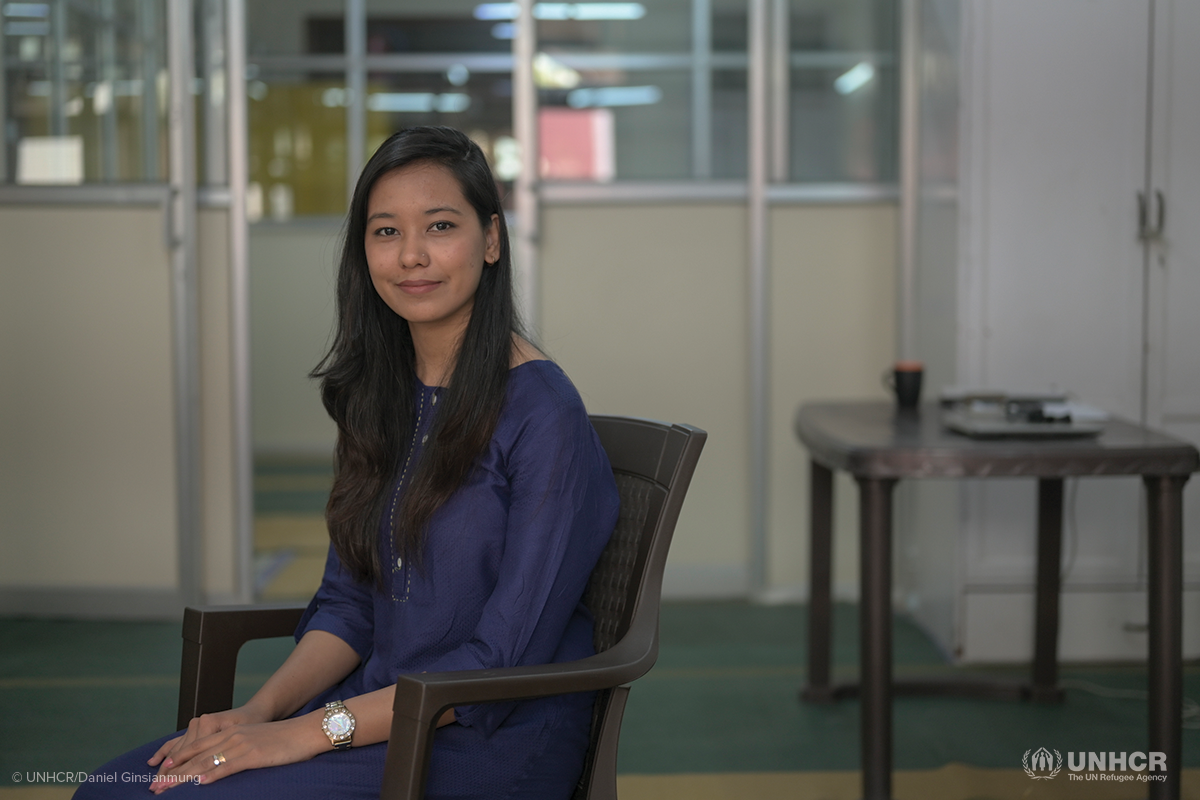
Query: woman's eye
{"points": [[442, 225], [386, 232]]}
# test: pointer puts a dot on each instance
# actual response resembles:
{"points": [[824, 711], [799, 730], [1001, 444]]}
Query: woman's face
{"points": [[426, 247]]}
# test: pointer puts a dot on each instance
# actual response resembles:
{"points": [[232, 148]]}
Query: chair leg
{"points": [[602, 784], [820, 603]]}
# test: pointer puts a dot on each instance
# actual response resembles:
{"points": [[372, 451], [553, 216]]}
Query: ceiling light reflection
{"points": [[609, 96], [854, 78], [559, 11]]}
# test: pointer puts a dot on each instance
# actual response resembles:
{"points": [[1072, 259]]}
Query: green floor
{"points": [[723, 697]]}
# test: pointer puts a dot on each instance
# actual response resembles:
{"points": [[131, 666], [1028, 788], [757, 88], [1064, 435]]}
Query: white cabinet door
{"points": [[1055, 103], [1174, 258]]}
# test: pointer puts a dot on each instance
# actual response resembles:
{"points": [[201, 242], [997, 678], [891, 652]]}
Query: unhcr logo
{"points": [[1041, 765]]}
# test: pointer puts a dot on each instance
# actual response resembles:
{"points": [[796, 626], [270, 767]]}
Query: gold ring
{"points": [[218, 759]]}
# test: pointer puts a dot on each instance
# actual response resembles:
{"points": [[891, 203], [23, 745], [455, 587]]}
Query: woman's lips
{"points": [[418, 287]]}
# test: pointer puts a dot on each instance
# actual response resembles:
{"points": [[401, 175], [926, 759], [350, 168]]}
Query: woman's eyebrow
{"points": [[428, 212]]}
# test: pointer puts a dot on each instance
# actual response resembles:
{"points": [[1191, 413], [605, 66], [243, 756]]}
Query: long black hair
{"points": [[369, 374]]}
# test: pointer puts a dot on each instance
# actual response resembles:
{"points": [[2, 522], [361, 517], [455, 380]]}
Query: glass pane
{"points": [[83, 91], [637, 128], [843, 137], [297, 147], [663, 26], [294, 27], [442, 81], [421, 26], [479, 103], [730, 124], [843, 91], [730, 25], [616, 95], [212, 131]]}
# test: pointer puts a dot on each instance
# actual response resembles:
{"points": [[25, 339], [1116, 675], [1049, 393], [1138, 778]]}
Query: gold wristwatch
{"points": [[338, 725]]}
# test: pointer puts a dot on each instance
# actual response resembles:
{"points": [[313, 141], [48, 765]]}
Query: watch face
{"points": [[338, 724]]}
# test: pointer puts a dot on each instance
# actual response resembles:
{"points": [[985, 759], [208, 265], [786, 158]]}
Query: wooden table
{"points": [[879, 446]]}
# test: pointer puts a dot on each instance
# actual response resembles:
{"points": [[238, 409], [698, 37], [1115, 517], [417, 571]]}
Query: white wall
{"points": [[88, 519], [646, 308], [832, 337], [87, 453]]}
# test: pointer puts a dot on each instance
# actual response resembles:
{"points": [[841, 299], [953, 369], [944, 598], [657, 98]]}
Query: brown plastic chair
{"points": [[653, 464]]}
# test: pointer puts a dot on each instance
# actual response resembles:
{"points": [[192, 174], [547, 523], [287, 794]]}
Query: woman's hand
{"points": [[319, 661], [206, 725], [218, 745], [176, 754]]}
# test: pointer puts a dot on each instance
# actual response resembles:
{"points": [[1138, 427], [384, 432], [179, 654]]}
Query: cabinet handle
{"points": [[1145, 232]]}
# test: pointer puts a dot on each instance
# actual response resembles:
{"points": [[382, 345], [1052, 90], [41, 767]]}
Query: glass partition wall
{"points": [[647, 99], [650, 100], [83, 87], [664, 87], [645, 92]]}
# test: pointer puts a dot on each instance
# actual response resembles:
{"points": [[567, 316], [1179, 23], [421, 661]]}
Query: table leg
{"points": [[820, 581], [1164, 505], [1049, 565], [875, 624]]}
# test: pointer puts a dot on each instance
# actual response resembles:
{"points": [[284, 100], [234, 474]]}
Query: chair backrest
{"points": [[653, 464]]}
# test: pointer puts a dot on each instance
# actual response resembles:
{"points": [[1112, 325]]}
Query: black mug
{"points": [[905, 380]]}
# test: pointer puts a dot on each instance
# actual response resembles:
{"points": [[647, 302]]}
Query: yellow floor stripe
{"points": [[951, 782], [299, 531], [37, 792], [299, 580]]}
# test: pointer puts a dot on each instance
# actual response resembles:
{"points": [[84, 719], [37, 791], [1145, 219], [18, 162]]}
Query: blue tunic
{"points": [[504, 566]]}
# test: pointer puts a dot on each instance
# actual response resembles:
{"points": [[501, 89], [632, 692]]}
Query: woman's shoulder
{"points": [[544, 417], [540, 386], [541, 402]]}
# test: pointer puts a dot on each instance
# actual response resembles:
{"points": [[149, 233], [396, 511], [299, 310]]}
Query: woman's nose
{"points": [[412, 253]]}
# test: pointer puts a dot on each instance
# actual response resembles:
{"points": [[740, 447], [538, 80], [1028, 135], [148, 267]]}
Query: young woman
{"points": [[470, 504]]}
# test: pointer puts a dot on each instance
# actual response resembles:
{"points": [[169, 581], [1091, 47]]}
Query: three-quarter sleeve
{"points": [[562, 510], [342, 606]]}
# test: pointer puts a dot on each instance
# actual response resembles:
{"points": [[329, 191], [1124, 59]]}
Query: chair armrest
{"points": [[422, 698], [212, 637]]}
